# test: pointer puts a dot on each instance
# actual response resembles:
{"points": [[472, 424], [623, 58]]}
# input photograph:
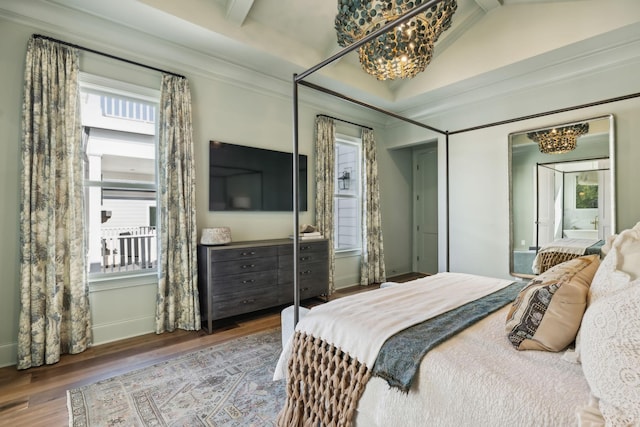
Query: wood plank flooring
{"points": [[37, 397]]}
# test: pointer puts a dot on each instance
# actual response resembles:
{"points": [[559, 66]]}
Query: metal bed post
{"points": [[296, 206]]}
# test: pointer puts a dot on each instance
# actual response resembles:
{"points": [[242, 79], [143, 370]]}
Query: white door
{"points": [[425, 184]]}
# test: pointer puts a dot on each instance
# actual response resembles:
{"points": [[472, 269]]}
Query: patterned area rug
{"points": [[229, 384]]}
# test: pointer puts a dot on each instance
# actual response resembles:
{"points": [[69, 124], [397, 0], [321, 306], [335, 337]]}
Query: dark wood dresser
{"points": [[247, 276]]}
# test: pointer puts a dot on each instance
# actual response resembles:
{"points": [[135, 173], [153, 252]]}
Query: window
{"points": [[347, 195], [119, 124]]}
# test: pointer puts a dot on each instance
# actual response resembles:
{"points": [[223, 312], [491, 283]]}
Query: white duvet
{"points": [[478, 379], [360, 324], [474, 379]]}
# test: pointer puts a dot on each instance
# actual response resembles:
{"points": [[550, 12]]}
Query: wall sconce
{"points": [[343, 180]]}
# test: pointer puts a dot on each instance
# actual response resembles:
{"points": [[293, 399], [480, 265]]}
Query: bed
{"points": [[562, 250], [489, 373]]}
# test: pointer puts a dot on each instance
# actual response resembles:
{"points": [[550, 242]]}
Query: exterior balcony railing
{"points": [[128, 249]]}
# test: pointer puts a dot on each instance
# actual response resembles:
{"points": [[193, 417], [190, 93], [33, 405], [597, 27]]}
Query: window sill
{"points": [[110, 282], [348, 253]]}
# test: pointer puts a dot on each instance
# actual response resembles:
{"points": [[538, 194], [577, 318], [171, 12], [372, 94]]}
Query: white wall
{"points": [[223, 109], [478, 160]]}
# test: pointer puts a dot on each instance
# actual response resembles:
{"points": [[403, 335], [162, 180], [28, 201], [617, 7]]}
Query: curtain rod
{"points": [[97, 52], [344, 121]]}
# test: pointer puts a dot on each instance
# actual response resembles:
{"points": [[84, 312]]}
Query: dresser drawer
{"points": [[234, 304], [305, 247], [245, 265], [238, 254], [308, 289], [304, 258], [306, 271], [235, 284]]}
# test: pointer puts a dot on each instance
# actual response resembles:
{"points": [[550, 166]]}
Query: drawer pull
{"points": [[248, 281], [304, 248], [248, 266], [305, 258], [248, 301], [305, 273], [304, 289], [248, 253]]}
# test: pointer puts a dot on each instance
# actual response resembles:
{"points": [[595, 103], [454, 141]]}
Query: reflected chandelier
{"points": [[402, 52], [559, 140]]}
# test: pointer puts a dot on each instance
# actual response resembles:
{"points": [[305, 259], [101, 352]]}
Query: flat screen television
{"points": [[243, 178]]}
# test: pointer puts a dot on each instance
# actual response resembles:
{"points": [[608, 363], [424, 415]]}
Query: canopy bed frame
{"points": [[300, 80], [332, 380]]}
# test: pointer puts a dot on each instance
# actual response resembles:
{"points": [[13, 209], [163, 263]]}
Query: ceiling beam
{"points": [[487, 5], [238, 10]]}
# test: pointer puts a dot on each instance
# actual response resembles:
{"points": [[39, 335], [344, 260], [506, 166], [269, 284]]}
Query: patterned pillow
{"points": [[547, 313], [610, 336]]}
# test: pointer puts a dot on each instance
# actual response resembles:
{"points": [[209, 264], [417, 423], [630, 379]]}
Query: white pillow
{"points": [[620, 268], [616, 272], [610, 353]]}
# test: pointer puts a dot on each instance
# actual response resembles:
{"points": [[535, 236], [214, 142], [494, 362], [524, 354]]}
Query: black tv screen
{"points": [[245, 178]]}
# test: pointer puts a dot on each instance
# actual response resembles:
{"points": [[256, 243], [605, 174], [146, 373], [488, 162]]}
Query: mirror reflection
{"points": [[562, 193]]}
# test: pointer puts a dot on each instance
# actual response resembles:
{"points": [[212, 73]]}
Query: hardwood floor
{"points": [[37, 396]]}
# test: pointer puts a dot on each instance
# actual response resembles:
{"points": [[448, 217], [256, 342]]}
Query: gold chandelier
{"points": [[559, 140], [402, 52]]}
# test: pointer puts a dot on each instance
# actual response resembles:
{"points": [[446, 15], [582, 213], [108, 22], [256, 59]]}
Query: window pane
{"points": [[347, 195], [120, 170], [347, 179], [122, 236], [121, 201], [347, 223]]}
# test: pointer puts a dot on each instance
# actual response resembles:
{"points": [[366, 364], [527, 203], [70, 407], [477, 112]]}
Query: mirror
{"points": [[562, 202]]}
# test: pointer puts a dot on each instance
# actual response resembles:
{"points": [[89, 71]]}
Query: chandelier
{"points": [[558, 140], [399, 53]]}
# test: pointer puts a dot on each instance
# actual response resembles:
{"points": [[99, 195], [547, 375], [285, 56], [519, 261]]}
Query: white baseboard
{"points": [[115, 331], [102, 334], [8, 354]]}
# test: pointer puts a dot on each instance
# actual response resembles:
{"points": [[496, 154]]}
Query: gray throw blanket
{"points": [[400, 356]]}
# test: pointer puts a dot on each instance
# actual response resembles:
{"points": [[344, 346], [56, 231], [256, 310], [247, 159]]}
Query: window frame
{"points": [[90, 83], [357, 195]]}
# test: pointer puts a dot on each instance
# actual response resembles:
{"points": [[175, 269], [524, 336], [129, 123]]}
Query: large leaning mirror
{"points": [[562, 193]]}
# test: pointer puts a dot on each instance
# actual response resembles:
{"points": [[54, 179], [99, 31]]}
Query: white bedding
{"points": [[478, 379], [360, 324]]}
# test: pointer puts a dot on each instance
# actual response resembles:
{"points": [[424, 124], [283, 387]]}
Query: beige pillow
{"points": [[547, 313], [610, 352]]}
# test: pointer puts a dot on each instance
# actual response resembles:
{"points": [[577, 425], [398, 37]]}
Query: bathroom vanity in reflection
{"points": [[560, 197]]}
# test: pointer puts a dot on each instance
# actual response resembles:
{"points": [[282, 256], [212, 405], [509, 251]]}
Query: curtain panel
{"points": [[372, 265], [325, 136], [177, 305], [54, 301]]}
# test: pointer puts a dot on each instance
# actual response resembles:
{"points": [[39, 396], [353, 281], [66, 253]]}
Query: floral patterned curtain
{"points": [[372, 266], [177, 299], [325, 165], [54, 300]]}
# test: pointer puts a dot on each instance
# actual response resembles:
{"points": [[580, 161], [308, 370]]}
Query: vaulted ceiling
{"points": [[493, 46]]}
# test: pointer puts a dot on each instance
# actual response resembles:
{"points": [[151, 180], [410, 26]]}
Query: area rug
{"points": [[228, 384]]}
